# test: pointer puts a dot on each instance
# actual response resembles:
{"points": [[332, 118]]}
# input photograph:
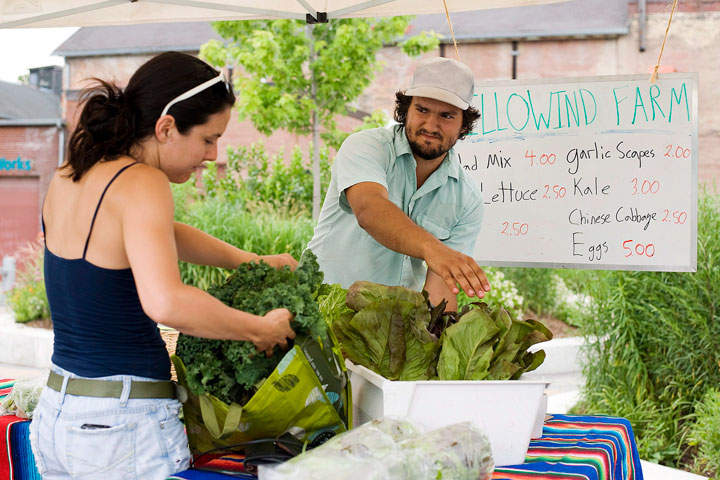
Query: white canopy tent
{"points": [[83, 13]]}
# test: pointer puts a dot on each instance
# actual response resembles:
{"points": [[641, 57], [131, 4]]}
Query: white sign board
{"points": [[594, 172]]}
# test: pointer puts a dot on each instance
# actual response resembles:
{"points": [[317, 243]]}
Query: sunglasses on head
{"points": [[195, 90]]}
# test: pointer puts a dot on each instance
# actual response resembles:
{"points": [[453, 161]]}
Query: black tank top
{"points": [[100, 326]]}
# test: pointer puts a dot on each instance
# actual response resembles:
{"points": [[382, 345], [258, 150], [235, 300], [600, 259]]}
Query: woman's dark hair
{"points": [[113, 120], [402, 105]]}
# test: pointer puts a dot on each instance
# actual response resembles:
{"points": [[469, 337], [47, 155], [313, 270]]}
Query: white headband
{"points": [[193, 91]]}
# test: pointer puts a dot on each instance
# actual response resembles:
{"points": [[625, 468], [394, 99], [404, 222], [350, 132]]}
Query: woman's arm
{"points": [[149, 240], [200, 248]]}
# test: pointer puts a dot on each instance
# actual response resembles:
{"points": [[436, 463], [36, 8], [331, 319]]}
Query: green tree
{"points": [[300, 76]]}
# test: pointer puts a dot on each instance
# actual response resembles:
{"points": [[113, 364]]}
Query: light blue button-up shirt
{"points": [[448, 205]]}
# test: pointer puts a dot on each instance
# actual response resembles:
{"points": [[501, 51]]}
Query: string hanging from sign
{"points": [[452, 34], [654, 75]]}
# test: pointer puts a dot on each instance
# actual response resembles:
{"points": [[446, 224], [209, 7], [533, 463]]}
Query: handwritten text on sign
{"points": [[587, 173]]}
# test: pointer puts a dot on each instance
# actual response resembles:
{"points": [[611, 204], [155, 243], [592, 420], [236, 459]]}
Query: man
{"points": [[399, 198]]}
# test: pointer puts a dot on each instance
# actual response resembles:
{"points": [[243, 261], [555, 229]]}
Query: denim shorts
{"points": [[81, 437]]}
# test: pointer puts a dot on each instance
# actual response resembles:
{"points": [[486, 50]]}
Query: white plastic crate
{"points": [[509, 412]]}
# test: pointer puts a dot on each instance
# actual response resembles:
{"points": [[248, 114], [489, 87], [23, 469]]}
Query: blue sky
{"points": [[24, 48]]}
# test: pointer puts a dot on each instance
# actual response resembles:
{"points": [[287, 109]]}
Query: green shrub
{"points": [[536, 285], [653, 349], [29, 302], [557, 292], [27, 298], [262, 230], [252, 176], [502, 293], [706, 434], [572, 305], [261, 204]]}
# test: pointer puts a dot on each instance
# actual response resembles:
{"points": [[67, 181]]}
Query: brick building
{"points": [[31, 146], [579, 38]]}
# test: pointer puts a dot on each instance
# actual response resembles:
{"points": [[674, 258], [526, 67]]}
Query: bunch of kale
{"points": [[233, 370], [397, 333]]}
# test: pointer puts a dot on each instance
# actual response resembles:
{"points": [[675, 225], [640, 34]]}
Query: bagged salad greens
{"points": [[397, 333], [24, 397], [393, 448]]}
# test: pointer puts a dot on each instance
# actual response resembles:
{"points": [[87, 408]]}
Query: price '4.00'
{"points": [[544, 159]]}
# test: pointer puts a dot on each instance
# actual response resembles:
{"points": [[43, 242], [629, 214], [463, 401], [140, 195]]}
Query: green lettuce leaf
{"points": [[331, 302], [361, 294], [388, 334], [467, 347]]}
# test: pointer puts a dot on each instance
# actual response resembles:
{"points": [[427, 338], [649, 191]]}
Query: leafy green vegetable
{"points": [[468, 347], [331, 301], [394, 331], [231, 370], [387, 331], [361, 294], [487, 345]]}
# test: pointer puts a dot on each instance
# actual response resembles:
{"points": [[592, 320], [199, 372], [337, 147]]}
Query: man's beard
{"points": [[428, 152]]}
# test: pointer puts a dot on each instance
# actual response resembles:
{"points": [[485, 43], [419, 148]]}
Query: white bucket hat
{"points": [[443, 79]]}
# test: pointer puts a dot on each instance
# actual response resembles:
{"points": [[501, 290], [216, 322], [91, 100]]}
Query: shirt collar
{"points": [[450, 167]]}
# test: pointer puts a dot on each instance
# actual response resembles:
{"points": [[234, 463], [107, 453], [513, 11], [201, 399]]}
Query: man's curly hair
{"points": [[402, 105]]}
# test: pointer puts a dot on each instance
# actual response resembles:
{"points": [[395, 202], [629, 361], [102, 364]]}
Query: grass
{"points": [[260, 230], [706, 434], [659, 353]]}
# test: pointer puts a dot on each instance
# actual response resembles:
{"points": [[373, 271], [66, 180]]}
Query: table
{"points": [[572, 447], [16, 458]]}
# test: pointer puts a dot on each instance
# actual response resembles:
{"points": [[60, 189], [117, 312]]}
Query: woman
{"points": [[111, 273]]}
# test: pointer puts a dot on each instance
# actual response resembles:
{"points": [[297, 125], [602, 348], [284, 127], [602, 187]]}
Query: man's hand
{"points": [[280, 260], [456, 268], [392, 228]]}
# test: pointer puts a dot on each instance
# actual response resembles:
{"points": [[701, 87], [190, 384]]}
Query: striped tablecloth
{"points": [[571, 447], [579, 447], [16, 459], [5, 387]]}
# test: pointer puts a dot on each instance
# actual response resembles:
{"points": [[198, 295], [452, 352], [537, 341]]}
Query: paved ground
{"points": [[18, 371]]}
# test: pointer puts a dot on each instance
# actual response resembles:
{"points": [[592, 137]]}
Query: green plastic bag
{"points": [[308, 394]]}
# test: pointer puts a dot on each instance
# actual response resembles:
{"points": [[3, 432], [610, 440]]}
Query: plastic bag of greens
{"points": [[458, 452], [391, 448], [23, 397]]}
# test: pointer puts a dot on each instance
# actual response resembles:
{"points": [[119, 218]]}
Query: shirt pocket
{"points": [[436, 227], [101, 452]]}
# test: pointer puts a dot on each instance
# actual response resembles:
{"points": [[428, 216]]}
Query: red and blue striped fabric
{"points": [[579, 447], [6, 447], [5, 387], [23, 460], [17, 461]]}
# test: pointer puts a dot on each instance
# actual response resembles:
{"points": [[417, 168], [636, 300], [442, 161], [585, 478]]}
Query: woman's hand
{"points": [[274, 329], [280, 260]]}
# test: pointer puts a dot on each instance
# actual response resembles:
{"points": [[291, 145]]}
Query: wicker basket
{"points": [[170, 337]]}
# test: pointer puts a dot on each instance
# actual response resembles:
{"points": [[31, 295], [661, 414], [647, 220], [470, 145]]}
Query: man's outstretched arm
{"points": [[390, 227]]}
